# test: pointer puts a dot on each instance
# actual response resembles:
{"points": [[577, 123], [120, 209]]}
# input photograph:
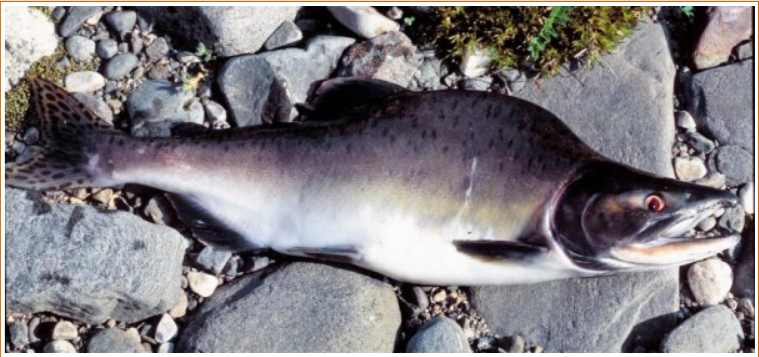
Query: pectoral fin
{"points": [[491, 250], [345, 97], [340, 254]]}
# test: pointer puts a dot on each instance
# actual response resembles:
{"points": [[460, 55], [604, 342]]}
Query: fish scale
{"points": [[485, 188]]}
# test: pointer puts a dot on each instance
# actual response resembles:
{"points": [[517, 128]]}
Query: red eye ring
{"points": [[655, 203]]}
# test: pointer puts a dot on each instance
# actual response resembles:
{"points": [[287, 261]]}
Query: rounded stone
{"points": [[746, 194], [80, 48], [202, 284], [715, 329], [85, 82], [107, 48], [707, 224], [65, 330], [710, 281], [59, 346], [439, 335], [685, 121], [736, 163], [121, 65], [166, 329], [690, 169], [113, 340]]}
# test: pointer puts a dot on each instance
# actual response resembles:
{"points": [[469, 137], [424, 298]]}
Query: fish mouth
{"points": [[677, 244]]}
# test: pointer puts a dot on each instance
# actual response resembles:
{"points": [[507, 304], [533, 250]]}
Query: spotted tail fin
{"points": [[69, 134]]}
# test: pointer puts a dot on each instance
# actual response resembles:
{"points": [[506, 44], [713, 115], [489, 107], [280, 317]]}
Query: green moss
{"points": [[17, 99], [45, 10], [541, 38]]}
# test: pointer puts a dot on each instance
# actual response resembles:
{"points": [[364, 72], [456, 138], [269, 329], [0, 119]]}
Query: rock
{"points": [[710, 281], [159, 210], [421, 299], [746, 193], [213, 260], [689, 169], [265, 87], [707, 224], [478, 84], [166, 348], [29, 36], [727, 27], [135, 45], [228, 31], [121, 21], [714, 179], [685, 121], [166, 329], [746, 50], [99, 266], [699, 143], [158, 49], [120, 65], [514, 78], [59, 346], [439, 335], [180, 309], [611, 102], [486, 343], [33, 324], [745, 271], [75, 18], [318, 308], [390, 57], [364, 21], [736, 163], [514, 344], [65, 330], [80, 48], [96, 105], [719, 100], [733, 220], [429, 75], [107, 48], [746, 305], [85, 82], [286, 34], [19, 333], [113, 340], [156, 103], [215, 112], [713, 330], [475, 62], [201, 283], [159, 71]]}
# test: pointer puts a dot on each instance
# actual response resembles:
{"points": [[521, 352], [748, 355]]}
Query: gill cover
{"points": [[613, 218]]}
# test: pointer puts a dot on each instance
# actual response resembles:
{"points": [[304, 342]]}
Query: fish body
{"points": [[444, 188]]}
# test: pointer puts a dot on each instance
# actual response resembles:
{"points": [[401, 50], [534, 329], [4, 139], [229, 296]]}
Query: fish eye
{"points": [[655, 203]]}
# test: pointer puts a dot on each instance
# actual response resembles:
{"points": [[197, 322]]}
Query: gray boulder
{"points": [[390, 57], [227, 30], [265, 87], [713, 330], [113, 340], [75, 18], [721, 100], [157, 104], [304, 307], [29, 36], [77, 262], [439, 335], [624, 110]]}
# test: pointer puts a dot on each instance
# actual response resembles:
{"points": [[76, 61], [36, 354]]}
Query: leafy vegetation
{"points": [[538, 38]]}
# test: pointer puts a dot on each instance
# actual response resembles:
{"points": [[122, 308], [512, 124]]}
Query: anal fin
{"points": [[206, 227], [492, 250]]}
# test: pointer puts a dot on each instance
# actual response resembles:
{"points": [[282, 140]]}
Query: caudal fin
{"points": [[68, 132]]}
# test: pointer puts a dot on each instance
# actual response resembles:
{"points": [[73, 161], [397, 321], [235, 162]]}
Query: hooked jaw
{"points": [[675, 246]]}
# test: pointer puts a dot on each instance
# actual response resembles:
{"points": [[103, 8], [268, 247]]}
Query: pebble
{"points": [[158, 49], [286, 34], [707, 224], [715, 329], [477, 84], [201, 283], [85, 82], [733, 220], [107, 48], [514, 78], [180, 309], [685, 121], [102, 196], [475, 62], [135, 44], [80, 48], [736, 163], [714, 179], [513, 344], [439, 335], [421, 299], [114, 340], [167, 347], [710, 281], [746, 50], [58, 13], [438, 296], [33, 323], [213, 260], [159, 71], [121, 21], [166, 329], [390, 57], [31, 135], [364, 21], [746, 194], [215, 113], [689, 169], [486, 343], [159, 211], [65, 330], [60, 346], [19, 333], [120, 65], [700, 143], [76, 17]]}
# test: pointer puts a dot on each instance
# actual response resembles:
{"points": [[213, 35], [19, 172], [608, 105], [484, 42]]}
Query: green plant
{"points": [[539, 38], [204, 52], [687, 10], [408, 21]]}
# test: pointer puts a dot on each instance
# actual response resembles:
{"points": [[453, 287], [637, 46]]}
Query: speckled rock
{"points": [[120, 65], [59, 346], [714, 330], [439, 335], [727, 26], [390, 57], [689, 169], [710, 281], [97, 266], [736, 163], [318, 308], [80, 48]]}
